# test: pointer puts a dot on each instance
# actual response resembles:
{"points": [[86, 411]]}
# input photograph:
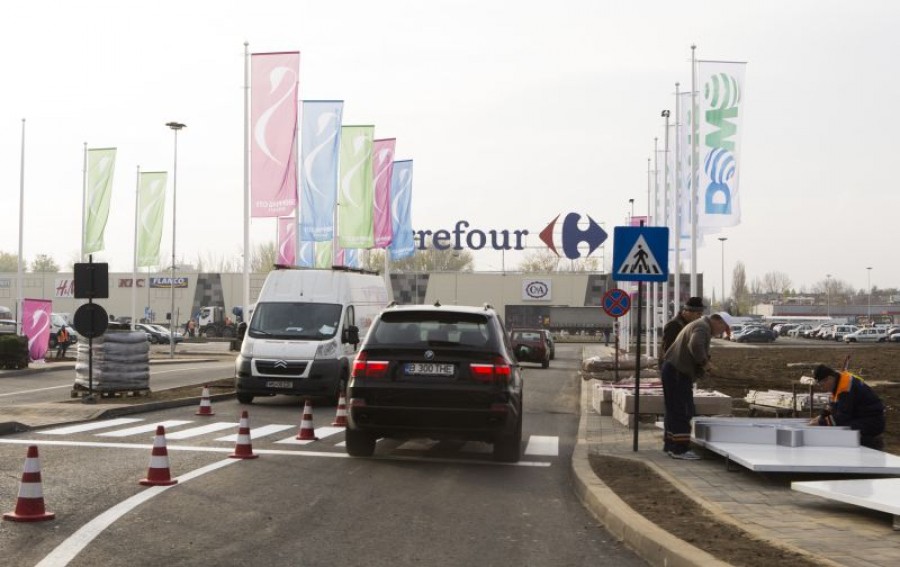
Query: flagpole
{"points": [[694, 131], [299, 167], [21, 260], [647, 289], [83, 198], [245, 308], [654, 221], [137, 196], [665, 211], [676, 201]]}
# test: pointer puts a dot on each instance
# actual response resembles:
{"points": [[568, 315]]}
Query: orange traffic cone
{"points": [[242, 447], [307, 431], [340, 418], [205, 405], [30, 505], [158, 472]]}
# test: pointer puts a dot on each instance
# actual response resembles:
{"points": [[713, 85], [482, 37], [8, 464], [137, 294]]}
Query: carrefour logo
{"points": [[573, 235]]}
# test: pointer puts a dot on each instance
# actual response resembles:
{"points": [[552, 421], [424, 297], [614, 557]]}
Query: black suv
{"points": [[441, 372]]}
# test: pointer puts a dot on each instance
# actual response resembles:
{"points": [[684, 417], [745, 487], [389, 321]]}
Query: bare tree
{"points": [[543, 260], [739, 295], [432, 260], [776, 282], [263, 258], [44, 263]]}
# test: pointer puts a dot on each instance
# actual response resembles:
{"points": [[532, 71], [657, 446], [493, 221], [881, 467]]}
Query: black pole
{"points": [[90, 397], [616, 347], [637, 366]]}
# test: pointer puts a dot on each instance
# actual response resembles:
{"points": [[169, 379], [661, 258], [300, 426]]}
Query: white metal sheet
{"points": [[881, 494], [775, 458]]}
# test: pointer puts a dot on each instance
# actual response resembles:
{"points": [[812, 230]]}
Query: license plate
{"points": [[429, 369], [279, 384]]}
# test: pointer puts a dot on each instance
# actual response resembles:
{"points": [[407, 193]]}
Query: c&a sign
{"points": [[537, 289]]}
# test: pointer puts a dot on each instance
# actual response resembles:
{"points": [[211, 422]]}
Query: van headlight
{"points": [[326, 350]]}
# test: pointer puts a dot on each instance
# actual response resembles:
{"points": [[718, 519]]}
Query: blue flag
{"points": [[320, 142], [402, 245]]}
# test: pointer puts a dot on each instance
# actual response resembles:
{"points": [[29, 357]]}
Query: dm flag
{"points": [[101, 164], [151, 205], [721, 102], [287, 241], [356, 198], [36, 326], [274, 83], [383, 163], [306, 258], [402, 244], [319, 145]]}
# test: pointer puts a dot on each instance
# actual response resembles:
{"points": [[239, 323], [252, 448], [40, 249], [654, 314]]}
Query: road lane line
{"points": [[20, 392], [90, 426], [182, 369], [72, 546]]}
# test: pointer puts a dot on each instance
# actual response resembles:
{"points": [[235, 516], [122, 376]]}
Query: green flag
{"points": [[356, 191], [151, 205], [324, 253], [101, 164]]}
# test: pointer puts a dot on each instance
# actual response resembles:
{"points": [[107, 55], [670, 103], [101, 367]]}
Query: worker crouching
{"points": [[853, 404]]}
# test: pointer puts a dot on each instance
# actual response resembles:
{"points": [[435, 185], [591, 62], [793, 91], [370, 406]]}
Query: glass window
{"points": [[432, 329], [309, 321]]}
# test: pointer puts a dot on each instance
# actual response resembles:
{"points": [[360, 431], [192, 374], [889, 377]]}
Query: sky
{"points": [[513, 113]]}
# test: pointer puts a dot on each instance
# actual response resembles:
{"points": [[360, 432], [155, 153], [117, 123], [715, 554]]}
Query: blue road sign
{"points": [[616, 302], [641, 253]]}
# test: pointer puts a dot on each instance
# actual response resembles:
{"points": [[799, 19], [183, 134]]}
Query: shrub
{"points": [[13, 351]]}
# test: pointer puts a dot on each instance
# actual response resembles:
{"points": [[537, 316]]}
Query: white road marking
{"points": [[90, 426], [20, 392], [202, 430], [142, 428], [417, 445], [259, 432], [72, 546], [543, 445], [320, 432]]}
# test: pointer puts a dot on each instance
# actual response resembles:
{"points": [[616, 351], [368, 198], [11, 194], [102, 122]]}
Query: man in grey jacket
{"points": [[685, 362]]}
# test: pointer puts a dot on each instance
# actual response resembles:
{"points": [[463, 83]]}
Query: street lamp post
{"points": [[631, 202], [175, 126], [722, 239], [869, 281], [828, 295]]}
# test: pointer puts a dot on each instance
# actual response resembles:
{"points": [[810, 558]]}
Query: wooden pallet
{"points": [[79, 391]]}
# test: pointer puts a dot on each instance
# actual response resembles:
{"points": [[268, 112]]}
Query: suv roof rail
{"points": [[437, 303], [488, 306]]}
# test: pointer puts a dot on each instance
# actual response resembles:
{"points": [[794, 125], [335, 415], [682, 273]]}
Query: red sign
{"points": [[616, 302]]}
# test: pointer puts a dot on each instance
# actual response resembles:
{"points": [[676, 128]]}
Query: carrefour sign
{"points": [[462, 237]]}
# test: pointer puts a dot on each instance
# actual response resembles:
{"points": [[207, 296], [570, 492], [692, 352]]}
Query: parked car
{"points": [[799, 330], [823, 330], [893, 337], [8, 326], [441, 372], [756, 335], [551, 343], [157, 334], [865, 335], [530, 345], [838, 332]]}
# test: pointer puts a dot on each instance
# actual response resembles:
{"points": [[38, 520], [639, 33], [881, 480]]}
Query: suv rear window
{"points": [[427, 328]]}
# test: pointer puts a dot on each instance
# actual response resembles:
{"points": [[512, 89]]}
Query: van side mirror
{"points": [[351, 335]]}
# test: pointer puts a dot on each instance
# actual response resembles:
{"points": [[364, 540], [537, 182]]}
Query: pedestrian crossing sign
{"points": [[640, 253]]}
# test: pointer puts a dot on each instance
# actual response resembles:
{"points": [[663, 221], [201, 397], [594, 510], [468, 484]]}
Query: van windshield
{"points": [[309, 321]]}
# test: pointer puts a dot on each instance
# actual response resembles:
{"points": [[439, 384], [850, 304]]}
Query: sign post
{"points": [[91, 320], [616, 303], [640, 254]]}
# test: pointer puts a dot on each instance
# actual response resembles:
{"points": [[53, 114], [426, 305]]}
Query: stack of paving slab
{"points": [[779, 399], [625, 362], [120, 362], [618, 400]]}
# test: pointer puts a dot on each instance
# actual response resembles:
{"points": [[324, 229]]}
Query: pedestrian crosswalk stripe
{"points": [[542, 445], [259, 432], [640, 260], [320, 432], [90, 426], [142, 428], [202, 430], [417, 445]]}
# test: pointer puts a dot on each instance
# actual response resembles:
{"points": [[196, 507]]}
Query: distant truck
{"points": [[214, 323]]}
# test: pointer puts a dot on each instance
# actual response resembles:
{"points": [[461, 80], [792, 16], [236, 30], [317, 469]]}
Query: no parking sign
{"points": [[616, 302]]}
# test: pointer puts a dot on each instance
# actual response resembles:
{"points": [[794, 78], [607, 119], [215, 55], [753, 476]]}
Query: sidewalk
{"points": [[762, 505]]}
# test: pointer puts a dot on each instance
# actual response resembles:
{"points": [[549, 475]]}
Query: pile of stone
{"points": [[785, 400], [120, 362], [618, 400]]}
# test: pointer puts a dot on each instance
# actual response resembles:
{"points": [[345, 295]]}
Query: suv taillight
{"points": [[365, 368], [499, 371]]}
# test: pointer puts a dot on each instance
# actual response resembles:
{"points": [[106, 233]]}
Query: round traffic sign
{"points": [[616, 302], [91, 320]]}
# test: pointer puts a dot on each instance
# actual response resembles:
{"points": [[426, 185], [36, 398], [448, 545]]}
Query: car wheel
{"points": [[228, 333], [154, 340], [359, 443], [211, 332], [245, 398], [508, 449]]}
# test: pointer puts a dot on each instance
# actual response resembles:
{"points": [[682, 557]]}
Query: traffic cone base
{"points": [[307, 431], [205, 405], [243, 448], [30, 504], [158, 472]]}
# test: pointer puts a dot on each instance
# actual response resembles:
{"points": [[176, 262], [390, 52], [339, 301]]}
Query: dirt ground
{"points": [[737, 370]]}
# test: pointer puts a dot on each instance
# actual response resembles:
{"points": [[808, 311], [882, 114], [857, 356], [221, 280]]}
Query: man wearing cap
{"points": [[853, 404], [690, 311], [685, 362]]}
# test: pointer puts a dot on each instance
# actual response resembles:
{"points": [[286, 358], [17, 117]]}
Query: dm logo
{"points": [[572, 236]]}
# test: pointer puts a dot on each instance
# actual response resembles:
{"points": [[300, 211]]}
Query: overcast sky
{"points": [[513, 112]]}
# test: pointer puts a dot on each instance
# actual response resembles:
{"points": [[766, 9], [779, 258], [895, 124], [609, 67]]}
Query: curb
{"points": [[652, 543]]}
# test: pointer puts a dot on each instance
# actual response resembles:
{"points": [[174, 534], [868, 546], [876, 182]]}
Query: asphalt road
{"points": [[414, 503]]}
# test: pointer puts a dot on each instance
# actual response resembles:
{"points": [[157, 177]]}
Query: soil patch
{"points": [[667, 507]]}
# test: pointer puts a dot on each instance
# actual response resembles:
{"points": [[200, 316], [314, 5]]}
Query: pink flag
{"points": [[36, 326], [636, 221], [287, 241], [274, 83], [382, 170]]}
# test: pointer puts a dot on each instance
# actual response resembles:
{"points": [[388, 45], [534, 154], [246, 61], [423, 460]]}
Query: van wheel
{"points": [[359, 443], [245, 398]]}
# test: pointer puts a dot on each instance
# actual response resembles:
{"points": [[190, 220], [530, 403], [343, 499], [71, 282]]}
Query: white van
{"points": [[304, 331]]}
